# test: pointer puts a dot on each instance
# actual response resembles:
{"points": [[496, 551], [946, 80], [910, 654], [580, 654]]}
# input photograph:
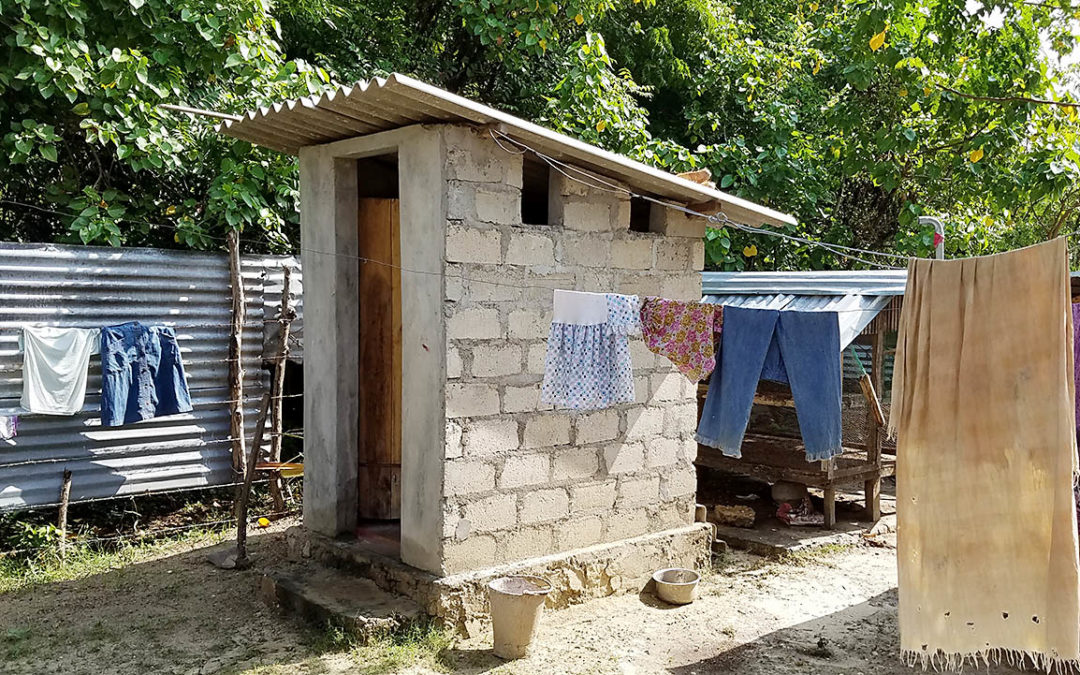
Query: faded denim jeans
{"points": [[142, 375], [801, 349]]}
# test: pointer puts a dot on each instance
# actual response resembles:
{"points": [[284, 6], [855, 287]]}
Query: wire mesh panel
{"points": [[782, 420]]}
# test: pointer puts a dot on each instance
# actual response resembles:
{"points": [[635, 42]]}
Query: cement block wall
{"points": [[522, 480]]}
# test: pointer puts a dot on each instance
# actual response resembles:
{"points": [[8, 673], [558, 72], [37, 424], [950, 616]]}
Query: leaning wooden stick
{"points": [[249, 476], [278, 389], [236, 355]]}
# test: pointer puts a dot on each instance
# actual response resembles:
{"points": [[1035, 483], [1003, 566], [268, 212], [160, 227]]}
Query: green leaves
{"points": [[836, 112], [79, 116]]}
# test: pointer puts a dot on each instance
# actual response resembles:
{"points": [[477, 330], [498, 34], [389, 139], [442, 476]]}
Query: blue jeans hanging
{"points": [[142, 374], [801, 349]]}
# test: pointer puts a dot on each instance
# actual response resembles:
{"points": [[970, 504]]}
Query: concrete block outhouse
{"points": [[434, 231]]}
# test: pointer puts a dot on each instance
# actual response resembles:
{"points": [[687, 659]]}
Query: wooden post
{"points": [[236, 365], [61, 524], [830, 507], [278, 391], [874, 426], [249, 476]]}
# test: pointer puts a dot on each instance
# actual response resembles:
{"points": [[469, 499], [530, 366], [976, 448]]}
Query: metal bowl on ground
{"points": [[676, 585]]}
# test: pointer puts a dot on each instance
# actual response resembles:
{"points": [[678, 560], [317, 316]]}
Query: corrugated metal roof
{"points": [[84, 286], [871, 282], [854, 312], [398, 101]]}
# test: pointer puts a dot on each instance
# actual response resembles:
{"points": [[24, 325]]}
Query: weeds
{"points": [[15, 642], [814, 555], [84, 560], [417, 644]]}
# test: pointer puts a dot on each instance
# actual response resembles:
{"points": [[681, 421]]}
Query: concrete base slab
{"points": [[460, 601], [326, 596]]}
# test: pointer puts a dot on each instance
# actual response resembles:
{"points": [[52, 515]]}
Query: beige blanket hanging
{"points": [[982, 406]]}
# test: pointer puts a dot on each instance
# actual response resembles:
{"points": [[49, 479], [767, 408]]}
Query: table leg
{"points": [[872, 492], [830, 508]]}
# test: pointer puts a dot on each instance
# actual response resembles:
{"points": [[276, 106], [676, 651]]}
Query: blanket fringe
{"points": [[956, 661]]}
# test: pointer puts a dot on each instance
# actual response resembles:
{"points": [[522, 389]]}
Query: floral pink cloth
{"points": [[683, 332]]}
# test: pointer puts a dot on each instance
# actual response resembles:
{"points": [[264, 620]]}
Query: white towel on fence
{"points": [[55, 361]]}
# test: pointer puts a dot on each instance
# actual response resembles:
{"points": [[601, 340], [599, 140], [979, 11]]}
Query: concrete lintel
{"points": [[372, 145]]}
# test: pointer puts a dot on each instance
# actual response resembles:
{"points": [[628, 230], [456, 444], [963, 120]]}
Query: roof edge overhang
{"points": [[398, 100]]}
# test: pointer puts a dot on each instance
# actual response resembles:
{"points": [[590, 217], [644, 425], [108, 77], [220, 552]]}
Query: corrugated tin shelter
{"points": [[434, 231], [90, 287], [867, 304]]}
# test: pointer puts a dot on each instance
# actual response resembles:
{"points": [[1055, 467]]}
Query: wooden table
{"points": [[772, 459]]}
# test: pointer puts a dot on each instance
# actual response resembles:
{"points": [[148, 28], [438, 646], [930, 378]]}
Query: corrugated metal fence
{"points": [[81, 286]]}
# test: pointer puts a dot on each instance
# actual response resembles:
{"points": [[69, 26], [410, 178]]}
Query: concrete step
{"points": [[323, 595]]}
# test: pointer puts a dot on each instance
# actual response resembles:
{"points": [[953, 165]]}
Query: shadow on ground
{"points": [[175, 614], [835, 643]]}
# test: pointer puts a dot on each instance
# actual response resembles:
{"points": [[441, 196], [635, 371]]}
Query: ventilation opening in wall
{"points": [[639, 214], [535, 177], [379, 467]]}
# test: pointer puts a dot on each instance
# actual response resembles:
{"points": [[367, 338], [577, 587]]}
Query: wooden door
{"points": [[379, 484]]}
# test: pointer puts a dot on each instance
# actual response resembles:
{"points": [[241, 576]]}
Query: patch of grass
{"points": [[84, 561], [16, 642], [722, 561], [418, 644], [815, 554]]}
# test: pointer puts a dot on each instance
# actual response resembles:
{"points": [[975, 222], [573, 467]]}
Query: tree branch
{"points": [[1048, 5], [1009, 99], [951, 144]]}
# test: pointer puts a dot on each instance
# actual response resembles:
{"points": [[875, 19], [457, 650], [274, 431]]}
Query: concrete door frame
{"points": [[328, 225]]}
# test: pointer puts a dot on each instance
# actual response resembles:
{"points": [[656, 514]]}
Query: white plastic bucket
{"points": [[516, 605]]}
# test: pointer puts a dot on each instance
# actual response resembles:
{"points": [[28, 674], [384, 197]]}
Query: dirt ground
{"points": [[827, 612]]}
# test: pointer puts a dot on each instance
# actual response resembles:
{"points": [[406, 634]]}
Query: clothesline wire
{"points": [[563, 168], [245, 399], [102, 456], [196, 360], [167, 324], [157, 533], [719, 219], [595, 182]]}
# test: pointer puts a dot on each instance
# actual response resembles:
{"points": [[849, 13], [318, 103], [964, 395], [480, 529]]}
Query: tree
{"points": [[843, 115], [857, 116], [83, 134]]}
